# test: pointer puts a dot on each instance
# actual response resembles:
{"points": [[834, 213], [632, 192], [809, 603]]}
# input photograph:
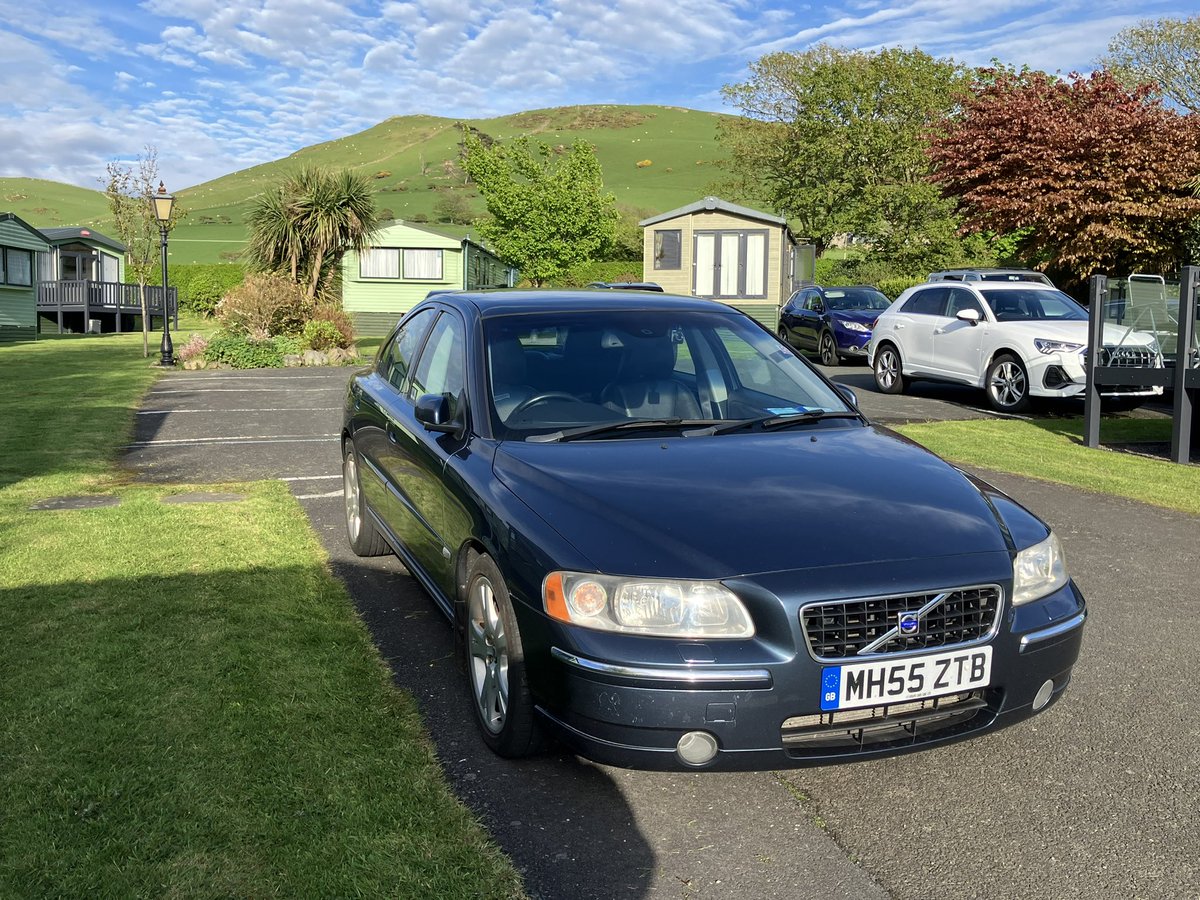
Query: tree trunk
{"points": [[145, 319], [315, 278]]}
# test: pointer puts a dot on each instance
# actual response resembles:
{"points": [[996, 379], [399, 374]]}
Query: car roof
{"points": [[514, 302]]}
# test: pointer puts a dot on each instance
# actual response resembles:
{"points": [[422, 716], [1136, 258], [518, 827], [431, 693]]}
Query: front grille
{"points": [[897, 725], [1129, 357], [858, 629]]}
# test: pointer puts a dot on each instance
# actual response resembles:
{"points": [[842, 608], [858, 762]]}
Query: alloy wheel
{"points": [[488, 646], [828, 350], [887, 368], [1008, 384]]}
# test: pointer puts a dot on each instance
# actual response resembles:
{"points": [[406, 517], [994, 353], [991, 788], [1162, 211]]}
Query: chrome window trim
{"points": [[941, 595], [694, 675]]}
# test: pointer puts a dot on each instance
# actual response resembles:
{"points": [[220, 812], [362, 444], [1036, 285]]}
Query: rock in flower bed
{"points": [[335, 357]]}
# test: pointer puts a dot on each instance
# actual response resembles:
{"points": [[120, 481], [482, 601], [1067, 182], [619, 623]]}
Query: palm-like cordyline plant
{"points": [[304, 226]]}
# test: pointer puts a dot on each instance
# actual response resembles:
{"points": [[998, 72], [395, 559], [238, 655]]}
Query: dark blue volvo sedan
{"points": [[668, 541]]}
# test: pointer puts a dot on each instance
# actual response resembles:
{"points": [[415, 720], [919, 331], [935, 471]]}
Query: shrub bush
{"points": [[202, 285], [894, 287], [240, 352], [320, 334], [339, 319], [264, 305], [195, 348]]}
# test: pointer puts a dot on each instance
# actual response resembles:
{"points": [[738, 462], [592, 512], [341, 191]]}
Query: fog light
{"points": [[1045, 692], [696, 748]]}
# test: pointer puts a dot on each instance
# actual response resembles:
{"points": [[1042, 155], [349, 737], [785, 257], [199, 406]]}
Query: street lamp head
{"points": [[162, 203]]}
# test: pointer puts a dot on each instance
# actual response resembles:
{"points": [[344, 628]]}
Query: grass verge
{"points": [[1052, 450], [190, 706]]}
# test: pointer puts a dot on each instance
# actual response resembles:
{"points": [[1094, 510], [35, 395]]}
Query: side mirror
{"points": [[433, 411], [968, 315], [848, 394]]}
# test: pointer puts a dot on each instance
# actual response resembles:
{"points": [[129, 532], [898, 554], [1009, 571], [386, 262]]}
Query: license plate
{"points": [[914, 678]]}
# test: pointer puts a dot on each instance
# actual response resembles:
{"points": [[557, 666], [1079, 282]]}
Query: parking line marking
{"points": [[308, 477], [318, 496], [167, 412], [249, 439]]}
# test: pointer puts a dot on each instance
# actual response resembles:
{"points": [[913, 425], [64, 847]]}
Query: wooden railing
{"points": [[103, 297]]}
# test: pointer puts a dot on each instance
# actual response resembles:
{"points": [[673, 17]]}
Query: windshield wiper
{"points": [[622, 425], [771, 423]]}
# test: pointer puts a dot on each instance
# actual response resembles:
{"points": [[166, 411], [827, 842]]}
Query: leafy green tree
{"points": [[1162, 52], [834, 139], [305, 225], [1091, 175], [453, 207], [548, 213], [127, 189]]}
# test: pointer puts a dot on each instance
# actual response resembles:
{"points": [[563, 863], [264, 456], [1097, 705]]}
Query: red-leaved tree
{"points": [[1094, 172]]}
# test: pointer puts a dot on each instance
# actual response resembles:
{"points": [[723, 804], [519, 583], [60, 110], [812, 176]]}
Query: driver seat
{"points": [[646, 389], [509, 375]]}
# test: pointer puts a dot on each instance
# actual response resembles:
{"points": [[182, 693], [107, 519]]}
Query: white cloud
{"points": [[245, 81]]}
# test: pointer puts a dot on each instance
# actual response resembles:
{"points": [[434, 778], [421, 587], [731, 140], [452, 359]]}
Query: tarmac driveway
{"points": [[1095, 798]]}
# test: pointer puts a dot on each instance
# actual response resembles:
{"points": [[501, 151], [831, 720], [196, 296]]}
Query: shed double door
{"points": [[730, 264]]}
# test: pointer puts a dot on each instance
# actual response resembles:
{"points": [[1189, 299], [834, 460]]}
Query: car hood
{"points": [[743, 504], [1074, 331]]}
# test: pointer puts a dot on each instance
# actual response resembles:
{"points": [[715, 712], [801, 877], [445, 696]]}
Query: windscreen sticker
{"points": [[787, 410]]}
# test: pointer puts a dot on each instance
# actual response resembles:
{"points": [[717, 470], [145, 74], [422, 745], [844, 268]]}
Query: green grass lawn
{"points": [[1052, 450], [190, 706]]}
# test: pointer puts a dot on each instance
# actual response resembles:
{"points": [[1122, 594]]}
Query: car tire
{"points": [[889, 372], [827, 349], [1007, 384], [364, 539], [781, 333], [495, 659]]}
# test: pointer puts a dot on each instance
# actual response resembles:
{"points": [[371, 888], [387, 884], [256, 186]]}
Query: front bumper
{"points": [[631, 715], [1063, 375], [852, 343]]}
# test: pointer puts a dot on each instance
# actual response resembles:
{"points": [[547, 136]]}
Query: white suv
{"points": [[1014, 339]]}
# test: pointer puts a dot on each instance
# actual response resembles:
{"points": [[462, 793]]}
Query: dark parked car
{"points": [[672, 544], [836, 322]]}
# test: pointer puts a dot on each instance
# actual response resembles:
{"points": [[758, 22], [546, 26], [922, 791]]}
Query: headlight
{"points": [[856, 326], [1039, 570], [1045, 345], [652, 606]]}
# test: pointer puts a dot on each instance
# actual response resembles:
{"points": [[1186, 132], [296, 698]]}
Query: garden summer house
{"points": [[404, 263], [722, 251]]}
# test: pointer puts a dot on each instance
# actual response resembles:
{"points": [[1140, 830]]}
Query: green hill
{"points": [[412, 160]]}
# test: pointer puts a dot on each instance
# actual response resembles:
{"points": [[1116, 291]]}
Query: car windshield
{"points": [[845, 299], [1033, 303], [565, 370]]}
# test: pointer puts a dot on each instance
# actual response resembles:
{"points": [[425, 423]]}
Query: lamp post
{"points": [[162, 202]]}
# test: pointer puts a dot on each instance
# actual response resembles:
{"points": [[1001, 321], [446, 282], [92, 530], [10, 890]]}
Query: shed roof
{"points": [[715, 204], [76, 233], [21, 223]]}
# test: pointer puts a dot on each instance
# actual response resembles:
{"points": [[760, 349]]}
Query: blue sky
{"points": [[219, 85]]}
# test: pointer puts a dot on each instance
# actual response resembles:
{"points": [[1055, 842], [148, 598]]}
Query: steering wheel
{"points": [[543, 397]]}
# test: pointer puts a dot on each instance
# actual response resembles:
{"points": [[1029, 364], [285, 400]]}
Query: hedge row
{"points": [[202, 285]]}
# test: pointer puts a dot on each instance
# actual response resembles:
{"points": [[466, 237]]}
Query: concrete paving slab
{"points": [[91, 501]]}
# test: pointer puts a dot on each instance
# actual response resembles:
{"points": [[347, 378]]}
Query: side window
{"points": [[441, 368], [929, 302], [960, 300], [814, 302], [668, 245], [395, 362]]}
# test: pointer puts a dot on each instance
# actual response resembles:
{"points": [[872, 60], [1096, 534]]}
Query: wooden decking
{"points": [[108, 298]]}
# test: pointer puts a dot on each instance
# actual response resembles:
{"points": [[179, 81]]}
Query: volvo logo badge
{"points": [[909, 624]]}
